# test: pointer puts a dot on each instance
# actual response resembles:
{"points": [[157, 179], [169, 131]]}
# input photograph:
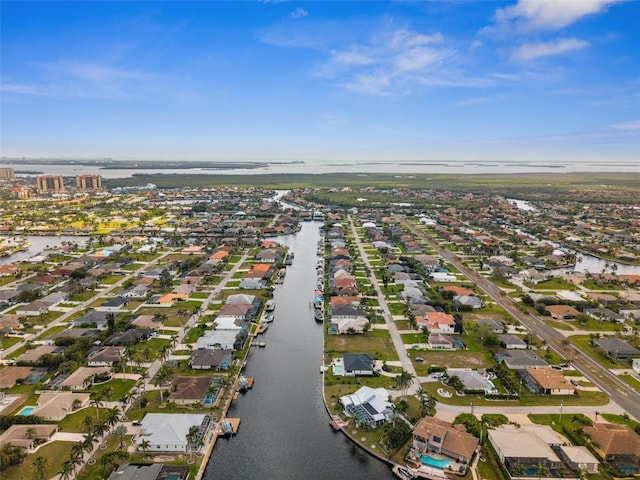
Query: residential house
{"points": [[440, 341], [604, 314], [495, 325], [211, 359], [617, 444], [368, 405], [472, 380], [512, 342], [440, 322], [562, 312], [188, 390], [217, 339], [113, 304], [167, 432], [129, 337], [547, 381], [104, 356], [33, 355], [468, 301], [25, 436], [33, 309], [616, 348], [434, 435], [347, 325], [54, 406], [520, 359], [358, 364], [251, 284], [96, 318], [532, 446], [82, 378]]}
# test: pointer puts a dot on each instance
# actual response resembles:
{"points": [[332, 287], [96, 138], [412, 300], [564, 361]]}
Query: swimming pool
{"points": [[434, 462], [26, 411], [337, 369]]}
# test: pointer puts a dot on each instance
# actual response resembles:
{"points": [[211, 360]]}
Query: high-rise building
{"points": [[50, 183], [7, 173], [88, 182], [21, 192]]}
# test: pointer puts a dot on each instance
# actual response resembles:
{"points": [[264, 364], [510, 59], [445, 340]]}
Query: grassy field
{"points": [[378, 343], [56, 454]]}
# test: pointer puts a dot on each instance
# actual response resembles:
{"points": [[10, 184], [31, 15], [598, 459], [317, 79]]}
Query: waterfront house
{"points": [[188, 390], [211, 359], [369, 405], [358, 364], [347, 325], [434, 435], [212, 339], [167, 432]]}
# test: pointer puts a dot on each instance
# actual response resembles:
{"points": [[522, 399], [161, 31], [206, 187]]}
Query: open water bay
{"points": [[284, 431]]}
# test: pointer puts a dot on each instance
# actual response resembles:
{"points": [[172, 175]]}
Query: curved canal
{"points": [[284, 431]]}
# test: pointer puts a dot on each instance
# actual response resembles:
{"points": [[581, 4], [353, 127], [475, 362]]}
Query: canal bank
{"points": [[285, 429]]}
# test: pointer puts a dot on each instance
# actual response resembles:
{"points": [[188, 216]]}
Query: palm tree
{"points": [[39, 466], [101, 428], [404, 381], [66, 471], [30, 433], [113, 416], [97, 402], [88, 441], [192, 436], [120, 432], [144, 445], [87, 423]]}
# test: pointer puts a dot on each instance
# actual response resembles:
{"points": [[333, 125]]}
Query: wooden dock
{"points": [[337, 423], [235, 425]]}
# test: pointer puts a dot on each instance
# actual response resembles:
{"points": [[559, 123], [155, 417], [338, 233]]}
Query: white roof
{"points": [[378, 398], [167, 428], [579, 454], [524, 442]]}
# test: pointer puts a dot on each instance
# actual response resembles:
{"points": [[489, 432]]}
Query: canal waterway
{"points": [[37, 244], [284, 431]]}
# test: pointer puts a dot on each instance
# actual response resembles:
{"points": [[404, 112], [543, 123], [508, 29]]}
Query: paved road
{"points": [[405, 361], [618, 391]]}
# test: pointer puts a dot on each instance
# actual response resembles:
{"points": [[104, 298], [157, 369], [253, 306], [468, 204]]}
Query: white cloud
{"points": [[529, 15], [408, 39], [299, 13], [628, 126], [531, 51]]}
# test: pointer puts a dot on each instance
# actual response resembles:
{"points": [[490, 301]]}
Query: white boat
{"points": [[270, 306]]}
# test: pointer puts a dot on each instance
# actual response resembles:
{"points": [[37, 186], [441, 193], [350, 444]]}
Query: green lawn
{"points": [[583, 343], [378, 343], [555, 283], [631, 381], [56, 454], [118, 386], [73, 422]]}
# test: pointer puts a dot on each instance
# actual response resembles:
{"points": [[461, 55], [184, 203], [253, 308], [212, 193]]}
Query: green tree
{"points": [[39, 467]]}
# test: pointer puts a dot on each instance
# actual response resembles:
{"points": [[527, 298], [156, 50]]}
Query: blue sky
{"points": [[282, 80]]}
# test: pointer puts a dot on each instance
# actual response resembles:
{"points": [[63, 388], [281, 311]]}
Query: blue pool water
{"points": [[337, 369], [26, 411], [434, 462]]}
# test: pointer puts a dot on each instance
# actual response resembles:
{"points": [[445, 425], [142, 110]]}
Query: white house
{"points": [[167, 432], [443, 277], [369, 405], [223, 339]]}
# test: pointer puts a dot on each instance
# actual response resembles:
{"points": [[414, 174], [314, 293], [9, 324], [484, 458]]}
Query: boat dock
{"points": [[233, 425], [337, 423], [262, 328]]}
